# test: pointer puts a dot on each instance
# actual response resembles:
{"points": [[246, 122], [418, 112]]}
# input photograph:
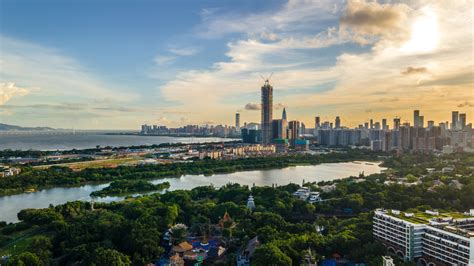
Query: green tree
{"points": [[110, 257], [41, 246], [269, 254], [25, 259]]}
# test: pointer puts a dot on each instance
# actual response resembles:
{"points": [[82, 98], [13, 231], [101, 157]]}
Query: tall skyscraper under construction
{"points": [[267, 113]]}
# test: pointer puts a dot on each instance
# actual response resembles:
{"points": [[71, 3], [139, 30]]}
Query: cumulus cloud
{"points": [[414, 70], [369, 19], [9, 90], [253, 106]]}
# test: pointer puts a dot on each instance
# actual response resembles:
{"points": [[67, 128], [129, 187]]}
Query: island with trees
{"points": [[123, 187]]}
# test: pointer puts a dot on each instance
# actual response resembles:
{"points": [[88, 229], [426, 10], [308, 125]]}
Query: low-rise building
{"points": [[245, 256], [429, 238], [302, 193], [6, 171]]}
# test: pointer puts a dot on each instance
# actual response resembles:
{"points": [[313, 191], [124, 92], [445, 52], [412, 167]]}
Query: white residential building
{"points": [[427, 238]]}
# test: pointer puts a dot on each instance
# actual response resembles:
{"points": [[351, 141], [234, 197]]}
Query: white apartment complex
{"points": [[429, 238]]}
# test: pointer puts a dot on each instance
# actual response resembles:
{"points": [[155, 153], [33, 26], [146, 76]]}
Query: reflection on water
{"points": [[11, 205]]}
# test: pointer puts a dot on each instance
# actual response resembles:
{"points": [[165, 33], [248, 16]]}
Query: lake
{"points": [[11, 205], [59, 140]]}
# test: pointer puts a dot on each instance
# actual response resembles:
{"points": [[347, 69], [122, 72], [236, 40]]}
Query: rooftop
{"points": [[420, 217], [448, 221]]}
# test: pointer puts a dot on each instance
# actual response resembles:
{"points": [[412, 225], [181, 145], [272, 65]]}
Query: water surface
{"points": [[53, 140], [11, 205]]}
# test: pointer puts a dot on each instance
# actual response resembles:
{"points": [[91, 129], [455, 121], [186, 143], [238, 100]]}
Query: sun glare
{"points": [[424, 33]]}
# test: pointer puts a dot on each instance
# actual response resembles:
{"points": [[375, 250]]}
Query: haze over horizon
{"points": [[120, 64]]}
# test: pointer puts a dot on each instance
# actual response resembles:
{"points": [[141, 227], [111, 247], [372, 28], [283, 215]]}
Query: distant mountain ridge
{"points": [[5, 127]]}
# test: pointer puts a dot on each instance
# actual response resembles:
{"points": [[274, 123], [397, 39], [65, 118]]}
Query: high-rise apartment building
{"points": [[279, 129], [338, 122], [237, 121], [293, 130], [396, 123], [267, 113], [416, 118], [421, 121], [462, 121], [317, 122], [454, 120], [431, 124]]}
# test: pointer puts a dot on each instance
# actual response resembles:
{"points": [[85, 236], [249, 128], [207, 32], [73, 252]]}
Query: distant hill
{"points": [[5, 127]]}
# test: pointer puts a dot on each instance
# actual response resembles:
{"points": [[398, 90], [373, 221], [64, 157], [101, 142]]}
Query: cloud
{"points": [[278, 106], [414, 70], [56, 74], [389, 100], [370, 19], [466, 104], [174, 54], [10, 90], [55, 107], [293, 16], [184, 51], [164, 59], [253, 106]]}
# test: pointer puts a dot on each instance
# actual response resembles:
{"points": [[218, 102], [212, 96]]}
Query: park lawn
{"points": [[105, 163], [21, 241]]}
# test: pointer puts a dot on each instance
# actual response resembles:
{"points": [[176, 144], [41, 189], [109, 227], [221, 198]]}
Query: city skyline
{"points": [[358, 60]]}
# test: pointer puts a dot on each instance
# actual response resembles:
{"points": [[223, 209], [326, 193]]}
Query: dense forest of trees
{"points": [[129, 232], [34, 178]]}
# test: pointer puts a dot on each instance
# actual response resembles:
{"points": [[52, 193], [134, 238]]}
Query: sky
{"points": [[117, 64]]}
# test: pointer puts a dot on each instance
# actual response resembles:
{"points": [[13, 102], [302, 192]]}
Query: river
{"points": [[11, 205]]}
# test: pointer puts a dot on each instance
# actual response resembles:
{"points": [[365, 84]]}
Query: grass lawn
{"points": [[21, 241]]}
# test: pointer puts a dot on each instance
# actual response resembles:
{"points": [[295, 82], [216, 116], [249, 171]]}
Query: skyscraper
{"points": [[416, 118], [396, 123], [462, 121], [237, 121], [338, 122], [431, 124], [384, 124], [454, 120], [371, 124], [267, 112], [283, 115], [279, 129], [293, 131], [421, 121], [317, 122]]}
